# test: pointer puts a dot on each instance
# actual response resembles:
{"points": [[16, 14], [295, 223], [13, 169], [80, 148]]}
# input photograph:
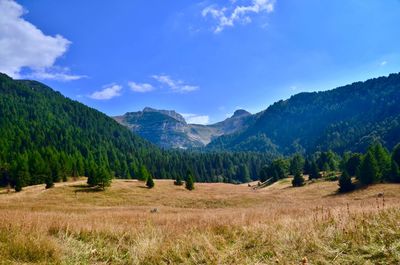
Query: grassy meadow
{"points": [[214, 224]]}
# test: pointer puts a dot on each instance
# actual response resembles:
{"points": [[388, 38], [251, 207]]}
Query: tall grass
{"points": [[214, 224]]}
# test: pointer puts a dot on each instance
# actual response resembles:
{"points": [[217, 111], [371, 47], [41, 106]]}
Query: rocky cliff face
{"points": [[168, 129]]}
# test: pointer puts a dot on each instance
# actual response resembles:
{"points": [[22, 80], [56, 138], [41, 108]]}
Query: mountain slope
{"points": [[46, 136], [169, 129], [345, 118]]}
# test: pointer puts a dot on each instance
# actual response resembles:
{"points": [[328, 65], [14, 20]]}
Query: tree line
{"points": [[376, 165], [46, 137]]}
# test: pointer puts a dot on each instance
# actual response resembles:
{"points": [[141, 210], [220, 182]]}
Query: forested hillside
{"points": [[347, 118], [46, 137]]}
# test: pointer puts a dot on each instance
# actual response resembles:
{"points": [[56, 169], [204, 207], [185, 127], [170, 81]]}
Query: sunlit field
{"points": [[214, 224]]}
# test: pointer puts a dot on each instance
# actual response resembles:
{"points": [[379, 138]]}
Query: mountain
{"points": [[347, 118], [45, 136], [168, 129]]}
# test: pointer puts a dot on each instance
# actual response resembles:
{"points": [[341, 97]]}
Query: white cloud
{"points": [[176, 86], [54, 73], [141, 88], [228, 16], [108, 92], [383, 63], [196, 119], [23, 45]]}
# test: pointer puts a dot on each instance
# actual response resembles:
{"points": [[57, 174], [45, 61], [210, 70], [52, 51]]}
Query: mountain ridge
{"points": [[347, 118], [169, 129]]}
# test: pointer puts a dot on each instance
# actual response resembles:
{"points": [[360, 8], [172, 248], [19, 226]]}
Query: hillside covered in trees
{"points": [[347, 118], [46, 137]]}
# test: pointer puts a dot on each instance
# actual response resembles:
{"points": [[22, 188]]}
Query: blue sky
{"points": [[204, 58]]}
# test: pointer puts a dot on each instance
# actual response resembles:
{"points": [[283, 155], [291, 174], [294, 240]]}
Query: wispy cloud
{"points": [[23, 45], [54, 73], [229, 16], [176, 86], [196, 119], [383, 63], [108, 92], [140, 88]]}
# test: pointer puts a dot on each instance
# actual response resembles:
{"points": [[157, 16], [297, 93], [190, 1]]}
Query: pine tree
{"points": [[345, 183], [396, 154], [150, 182], [314, 171], [103, 178], [178, 180], [352, 164], [298, 179], [307, 167], [382, 158], [263, 175], [369, 171], [189, 183], [143, 173], [395, 172], [296, 164], [49, 182]]}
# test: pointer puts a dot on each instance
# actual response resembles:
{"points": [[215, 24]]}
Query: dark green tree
{"points": [[103, 178], [345, 183], [298, 179], [396, 154], [383, 160], [314, 171], [178, 181], [369, 170], [49, 182], [143, 173], [307, 167], [296, 164], [189, 182], [150, 182], [352, 164], [395, 172]]}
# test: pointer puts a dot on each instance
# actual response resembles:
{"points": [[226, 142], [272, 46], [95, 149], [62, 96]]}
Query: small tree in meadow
{"points": [[150, 182], [189, 183], [178, 181], [298, 179], [49, 182], [345, 183]]}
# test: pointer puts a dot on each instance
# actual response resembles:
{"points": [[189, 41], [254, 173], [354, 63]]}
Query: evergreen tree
{"points": [[244, 173], [298, 179], [263, 175], [49, 182], [178, 180], [395, 172], [103, 178], [396, 154], [345, 183], [382, 158], [296, 164], [314, 171], [307, 167], [352, 164], [189, 182], [369, 171], [150, 182], [143, 173]]}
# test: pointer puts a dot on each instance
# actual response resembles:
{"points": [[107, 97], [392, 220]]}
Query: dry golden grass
{"points": [[214, 224]]}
